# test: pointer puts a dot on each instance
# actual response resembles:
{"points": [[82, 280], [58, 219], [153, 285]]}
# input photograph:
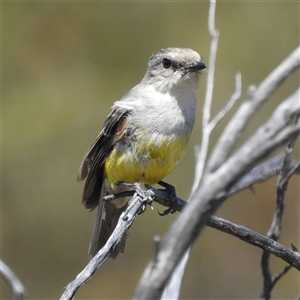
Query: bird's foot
{"points": [[170, 189], [140, 190]]}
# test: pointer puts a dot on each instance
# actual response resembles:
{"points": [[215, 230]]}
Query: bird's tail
{"points": [[106, 221]]}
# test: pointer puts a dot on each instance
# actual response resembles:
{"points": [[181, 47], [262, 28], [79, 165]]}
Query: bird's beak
{"points": [[196, 66]]}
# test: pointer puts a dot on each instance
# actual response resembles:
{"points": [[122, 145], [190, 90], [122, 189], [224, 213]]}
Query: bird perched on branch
{"points": [[142, 139]]}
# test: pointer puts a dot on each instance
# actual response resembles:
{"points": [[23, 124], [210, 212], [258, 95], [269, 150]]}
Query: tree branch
{"points": [[260, 173], [139, 199], [256, 98], [206, 129], [253, 238], [275, 229], [209, 196], [13, 281], [292, 257]]}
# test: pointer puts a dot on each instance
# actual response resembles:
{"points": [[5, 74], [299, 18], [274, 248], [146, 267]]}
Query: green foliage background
{"points": [[63, 66]]}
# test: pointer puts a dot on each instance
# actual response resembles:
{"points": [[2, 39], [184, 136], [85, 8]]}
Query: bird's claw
{"points": [[167, 211], [172, 195]]}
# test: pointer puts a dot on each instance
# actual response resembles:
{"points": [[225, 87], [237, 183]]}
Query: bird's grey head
{"points": [[174, 68]]}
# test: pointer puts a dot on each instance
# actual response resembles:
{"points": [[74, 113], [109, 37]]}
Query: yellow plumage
{"points": [[145, 161]]}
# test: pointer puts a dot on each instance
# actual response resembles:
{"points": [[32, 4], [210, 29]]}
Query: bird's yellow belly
{"points": [[144, 162]]}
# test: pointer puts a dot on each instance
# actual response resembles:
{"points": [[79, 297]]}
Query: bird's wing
{"points": [[92, 163]]}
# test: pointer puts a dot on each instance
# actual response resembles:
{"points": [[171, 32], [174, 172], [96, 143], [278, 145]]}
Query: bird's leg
{"points": [[170, 189]]}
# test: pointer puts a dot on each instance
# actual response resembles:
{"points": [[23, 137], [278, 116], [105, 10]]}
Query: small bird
{"points": [[143, 138]]}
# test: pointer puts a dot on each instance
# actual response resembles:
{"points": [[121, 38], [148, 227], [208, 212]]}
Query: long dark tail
{"points": [[104, 228]]}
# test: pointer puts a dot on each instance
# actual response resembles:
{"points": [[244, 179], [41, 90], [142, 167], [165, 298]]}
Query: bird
{"points": [[143, 138]]}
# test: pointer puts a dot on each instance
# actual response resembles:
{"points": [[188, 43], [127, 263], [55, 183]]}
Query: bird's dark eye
{"points": [[166, 63]]}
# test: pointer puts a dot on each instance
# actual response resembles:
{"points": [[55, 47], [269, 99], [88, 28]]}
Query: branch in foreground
{"points": [[256, 98], [184, 230], [139, 199], [260, 173], [263, 172], [172, 289]]}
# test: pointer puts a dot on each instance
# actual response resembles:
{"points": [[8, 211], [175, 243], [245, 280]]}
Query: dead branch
{"points": [[139, 199], [13, 281], [255, 99], [275, 229], [212, 192]]}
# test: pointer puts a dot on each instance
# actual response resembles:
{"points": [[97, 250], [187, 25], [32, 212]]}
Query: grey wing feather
{"points": [[93, 162], [92, 168]]}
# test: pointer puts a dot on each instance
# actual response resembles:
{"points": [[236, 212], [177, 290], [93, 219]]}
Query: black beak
{"points": [[196, 66]]}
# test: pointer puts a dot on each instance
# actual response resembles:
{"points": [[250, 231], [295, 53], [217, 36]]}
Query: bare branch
{"points": [[275, 229], [292, 257], [280, 274], [235, 96], [172, 289], [202, 153], [126, 219], [256, 98], [190, 223], [13, 281], [269, 283], [214, 34], [254, 238], [260, 173], [201, 156]]}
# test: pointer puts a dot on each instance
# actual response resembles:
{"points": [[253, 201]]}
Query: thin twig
{"points": [[235, 96], [214, 34], [263, 172], [202, 153], [280, 274]]}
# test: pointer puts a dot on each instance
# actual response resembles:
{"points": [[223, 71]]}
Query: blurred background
{"points": [[63, 66]]}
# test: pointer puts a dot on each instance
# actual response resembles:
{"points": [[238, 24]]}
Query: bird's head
{"points": [[174, 68]]}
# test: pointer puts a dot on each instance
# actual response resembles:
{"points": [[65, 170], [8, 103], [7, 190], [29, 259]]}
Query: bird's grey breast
{"points": [[162, 113]]}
